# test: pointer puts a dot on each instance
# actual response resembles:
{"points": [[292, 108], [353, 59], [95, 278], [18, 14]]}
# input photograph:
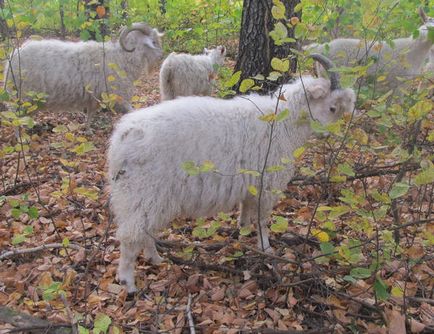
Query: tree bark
{"points": [[256, 47], [4, 31], [163, 6], [62, 19], [124, 6]]}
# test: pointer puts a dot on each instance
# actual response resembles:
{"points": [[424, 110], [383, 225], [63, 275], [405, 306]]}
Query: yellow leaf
{"points": [[320, 235], [397, 291], [298, 152], [252, 189], [111, 78]]}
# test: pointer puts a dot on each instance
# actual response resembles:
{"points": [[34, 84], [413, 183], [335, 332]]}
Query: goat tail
{"points": [[166, 84]]}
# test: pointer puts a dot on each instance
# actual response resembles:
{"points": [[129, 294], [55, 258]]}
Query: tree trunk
{"points": [[256, 47], [94, 12], [4, 31], [62, 19], [163, 6], [124, 7]]}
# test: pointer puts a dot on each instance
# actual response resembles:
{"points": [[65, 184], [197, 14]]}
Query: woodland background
{"points": [[353, 235]]}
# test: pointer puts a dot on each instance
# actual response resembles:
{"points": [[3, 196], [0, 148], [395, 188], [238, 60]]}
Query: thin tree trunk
{"points": [[124, 6], [163, 6], [4, 31], [62, 19], [256, 47]]}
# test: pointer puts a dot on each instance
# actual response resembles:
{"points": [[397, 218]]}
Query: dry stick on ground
{"points": [[291, 331], [189, 316], [37, 249], [30, 324]]}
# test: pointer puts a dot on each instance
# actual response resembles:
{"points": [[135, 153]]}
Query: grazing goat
{"points": [[401, 61], [149, 188], [76, 74], [186, 75]]}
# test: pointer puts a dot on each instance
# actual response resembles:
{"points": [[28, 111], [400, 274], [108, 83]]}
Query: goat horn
{"points": [[328, 64], [143, 28], [423, 15]]}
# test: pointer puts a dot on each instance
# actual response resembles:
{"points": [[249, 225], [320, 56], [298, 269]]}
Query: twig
{"points": [[269, 255], [37, 249], [421, 300], [312, 180], [70, 314], [30, 324], [293, 331], [189, 316]]}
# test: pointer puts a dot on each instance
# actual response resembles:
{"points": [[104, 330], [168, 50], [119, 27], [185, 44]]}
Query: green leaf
{"points": [[233, 79], [280, 65], [28, 230], [252, 189], [190, 168], [278, 10], [282, 115], [327, 248], [245, 230], [274, 169], [82, 330], [425, 177], [280, 226], [360, 273], [271, 117], [199, 232], [207, 166], [399, 189], [279, 34], [338, 211], [274, 76], [16, 213], [65, 242], [249, 172], [380, 289], [246, 84], [84, 148], [317, 127], [87, 192], [102, 323], [349, 278], [33, 212], [14, 203], [18, 238], [346, 169]]}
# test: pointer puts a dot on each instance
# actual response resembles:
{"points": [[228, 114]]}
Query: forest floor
{"points": [[218, 284]]}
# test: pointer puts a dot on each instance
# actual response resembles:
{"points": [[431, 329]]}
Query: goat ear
{"points": [[422, 15], [148, 41], [222, 50], [316, 91], [205, 51]]}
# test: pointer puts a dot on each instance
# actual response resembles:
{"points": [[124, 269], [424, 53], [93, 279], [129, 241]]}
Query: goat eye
{"points": [[333, 109]]}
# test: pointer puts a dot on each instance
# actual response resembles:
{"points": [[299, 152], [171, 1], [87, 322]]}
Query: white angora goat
{"points": [[66, 71], [402, 61], [149, 187], [183, 74]]}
